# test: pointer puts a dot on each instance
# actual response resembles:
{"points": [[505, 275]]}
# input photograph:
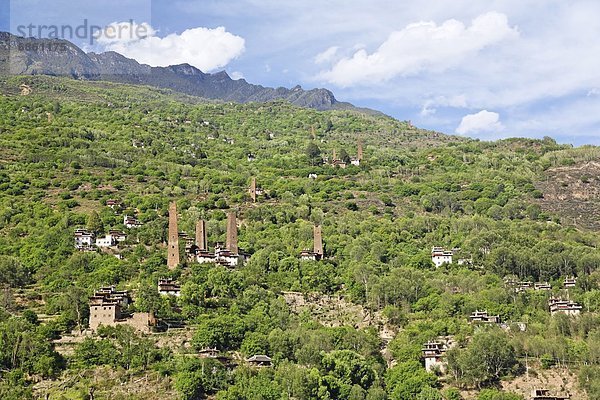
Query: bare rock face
{"points": [[573, 192], [30, 56]]}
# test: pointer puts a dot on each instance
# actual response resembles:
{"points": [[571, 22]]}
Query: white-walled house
{"points": [[440, 256]]}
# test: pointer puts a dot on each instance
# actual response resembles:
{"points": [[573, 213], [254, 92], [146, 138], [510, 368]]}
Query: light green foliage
{"points": [[407, 380], [492, 394], [489, 357], [414, 190]]}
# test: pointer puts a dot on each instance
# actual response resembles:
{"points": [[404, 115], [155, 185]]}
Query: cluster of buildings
{"points": [[433, 355], [196, 249], [555, 304], [523, 286], [108, 307], [337, 162], [228, 254], [86, 240]]}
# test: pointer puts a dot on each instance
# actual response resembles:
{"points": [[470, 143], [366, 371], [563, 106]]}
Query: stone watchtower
{"points": [[173, 245], [201, 237], [232, 239], [318, 242], [359, 155], [252, 190]]}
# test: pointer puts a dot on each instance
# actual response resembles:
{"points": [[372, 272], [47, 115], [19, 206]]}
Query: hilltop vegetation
{"points": [[68, 147]]}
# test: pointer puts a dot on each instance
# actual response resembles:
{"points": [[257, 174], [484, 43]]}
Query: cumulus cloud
{"points": [[429, 107], [327, 55], [483, 121], [421, 46], [204, 48]]}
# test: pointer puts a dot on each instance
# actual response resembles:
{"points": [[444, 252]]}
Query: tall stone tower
{"points": [[359, 155], [318, 242], [252, 190], [173, 251], [334, 155], [201, 240], [232, 239]]}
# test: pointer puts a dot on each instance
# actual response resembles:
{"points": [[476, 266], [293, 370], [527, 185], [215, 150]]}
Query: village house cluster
{"points": [[433, 354], [196, 249], [86, 240], [108, 307], [518, 286], [523, 286], [337, 162]]}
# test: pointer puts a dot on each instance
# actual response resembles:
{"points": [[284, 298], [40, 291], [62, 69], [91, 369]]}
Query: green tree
{"points": [[94, 222], [489, 357], [313, 153]]}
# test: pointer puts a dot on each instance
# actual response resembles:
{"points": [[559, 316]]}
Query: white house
{"points": [[433, 352], [131, 222], [440, 256], [111, 239], [169, 287], [84, 239]]}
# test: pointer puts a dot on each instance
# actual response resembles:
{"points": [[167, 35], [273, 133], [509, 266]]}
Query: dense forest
{"points": [[368, 307]]}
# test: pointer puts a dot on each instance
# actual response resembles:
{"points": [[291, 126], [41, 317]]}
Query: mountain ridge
{"points": [[58, 57]]}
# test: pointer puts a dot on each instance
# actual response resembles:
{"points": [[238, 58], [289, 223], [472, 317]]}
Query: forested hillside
{"points": [[357, 320]]}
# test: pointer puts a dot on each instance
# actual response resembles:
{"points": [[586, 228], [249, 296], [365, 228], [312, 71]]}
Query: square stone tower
{"points": [[252, 190], [359, 155], [318, 242], [232, 239], [201, 237], [173, 245]]}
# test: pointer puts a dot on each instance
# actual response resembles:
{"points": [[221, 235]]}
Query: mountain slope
{"points": [[30, 56], [362, 314]]}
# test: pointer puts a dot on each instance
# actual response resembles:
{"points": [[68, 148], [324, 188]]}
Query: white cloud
{"points": [[204, 48], [483, 121], [593, 92], [124, 32], [327, 55], [235, 75], [429, 107], [421, 46]]}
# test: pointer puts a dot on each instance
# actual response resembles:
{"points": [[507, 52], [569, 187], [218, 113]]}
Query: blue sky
{"points": [[486, 69]]}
